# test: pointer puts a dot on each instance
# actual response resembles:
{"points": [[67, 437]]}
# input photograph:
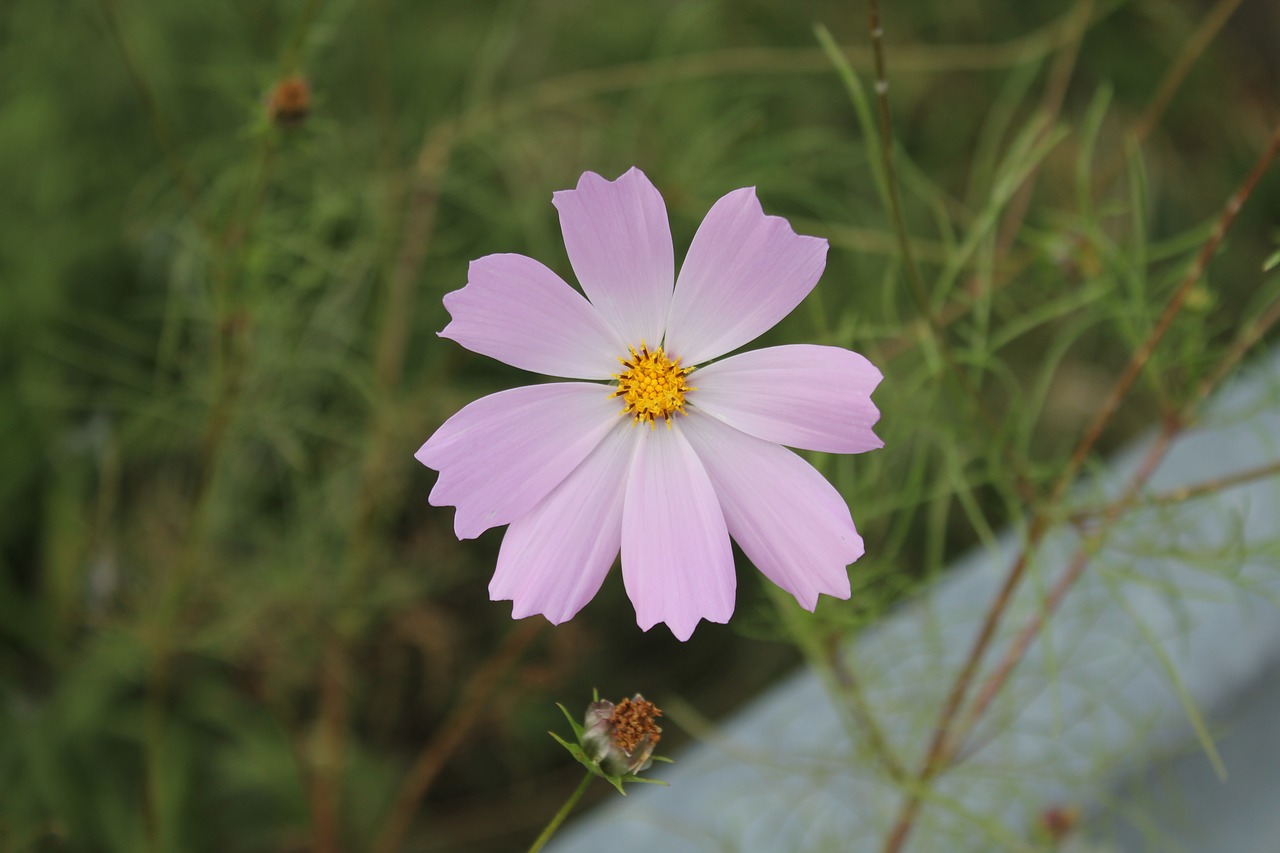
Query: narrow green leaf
{"points": [[1272, 261], [1175, 681]]}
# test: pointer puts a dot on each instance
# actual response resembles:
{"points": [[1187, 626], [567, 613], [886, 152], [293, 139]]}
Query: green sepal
{"points": [[645, 780], [617, 781], [576, 751], [577, 727]]}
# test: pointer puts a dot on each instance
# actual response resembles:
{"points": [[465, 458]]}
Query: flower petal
{"points": [[814, 397], [554, 559], [619, 242], [784, 515], [677, 563], [745, 271], [516, 310], [503, 453]]}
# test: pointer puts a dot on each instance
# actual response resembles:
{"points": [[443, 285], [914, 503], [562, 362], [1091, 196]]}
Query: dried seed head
{"points": [[289, 102], [633, 723], [620, 738], [1059, 821]]}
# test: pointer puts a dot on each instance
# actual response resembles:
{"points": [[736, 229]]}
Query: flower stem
{"points": [[561, 815]]}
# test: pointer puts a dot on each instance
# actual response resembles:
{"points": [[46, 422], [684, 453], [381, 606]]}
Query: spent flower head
{"points": [[671, 455], [289, 103], [621, 737], [616, 741]]}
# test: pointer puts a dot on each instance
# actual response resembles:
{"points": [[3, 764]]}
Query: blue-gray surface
{"points": [[1094, 717]]}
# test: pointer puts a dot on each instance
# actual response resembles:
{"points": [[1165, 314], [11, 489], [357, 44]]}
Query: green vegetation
{"points": [[229, 619]]}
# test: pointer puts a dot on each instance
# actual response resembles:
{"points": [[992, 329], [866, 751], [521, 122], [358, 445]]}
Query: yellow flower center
{"points": [[652, 386]]}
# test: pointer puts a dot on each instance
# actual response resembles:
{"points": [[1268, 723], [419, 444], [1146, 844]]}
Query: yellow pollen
{"points": [[652, 386]]}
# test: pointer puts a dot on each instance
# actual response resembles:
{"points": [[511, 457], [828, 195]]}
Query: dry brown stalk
{"points": [[328, 749], [453, 732]]}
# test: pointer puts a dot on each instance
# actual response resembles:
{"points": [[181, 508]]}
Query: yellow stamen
{"points": [[652, 386]]}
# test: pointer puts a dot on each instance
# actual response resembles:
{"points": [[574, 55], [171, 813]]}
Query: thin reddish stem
{"points": [[942, 743]]}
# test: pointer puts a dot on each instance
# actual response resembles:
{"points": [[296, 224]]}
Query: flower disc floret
{"points": [[652, 386]]}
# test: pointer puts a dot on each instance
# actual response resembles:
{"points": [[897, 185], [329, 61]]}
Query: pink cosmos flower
{"points": [[665, 462]]}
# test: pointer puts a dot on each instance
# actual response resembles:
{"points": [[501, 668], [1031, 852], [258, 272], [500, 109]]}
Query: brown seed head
{"points": [[1059, 821], [290, 101], [633, 724]]}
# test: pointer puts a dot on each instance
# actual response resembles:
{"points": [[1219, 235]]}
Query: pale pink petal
{"points": [[554, 559], [784, 515], [813, 397], [503, 453], [619, 243], [677, 564], [745, 271], [516, 310]]}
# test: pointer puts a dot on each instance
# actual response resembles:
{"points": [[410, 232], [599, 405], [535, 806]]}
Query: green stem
{"points": [[562, 814]]}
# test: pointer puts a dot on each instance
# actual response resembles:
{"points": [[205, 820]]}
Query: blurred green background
{"points": [[229, 619]]}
